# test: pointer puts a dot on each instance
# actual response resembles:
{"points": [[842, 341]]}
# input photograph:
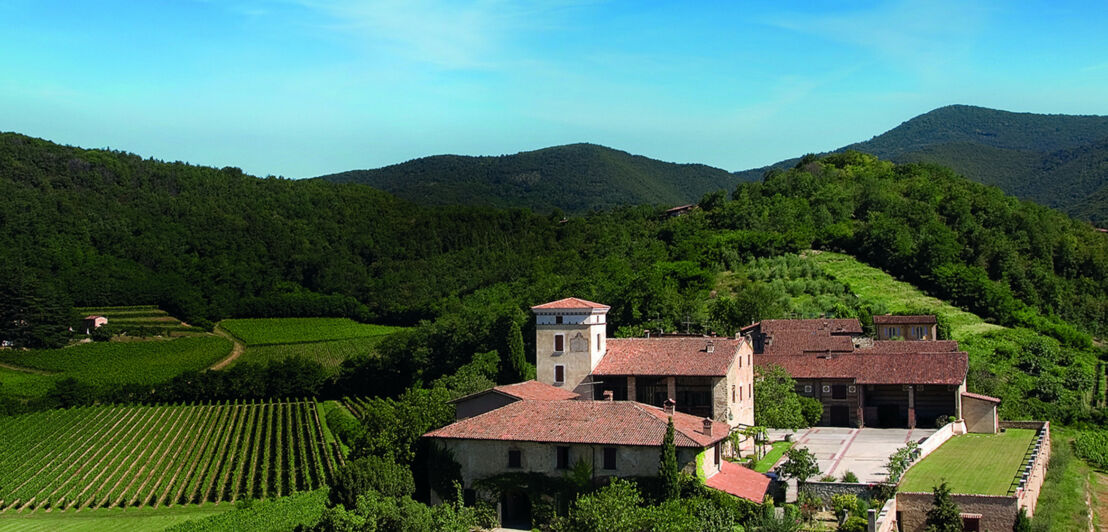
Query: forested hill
{"points": [[575, 178], [1055, 160]]}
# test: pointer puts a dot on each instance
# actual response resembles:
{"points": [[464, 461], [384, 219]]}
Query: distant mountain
{"points": [[575, 178], [1060, 161]]}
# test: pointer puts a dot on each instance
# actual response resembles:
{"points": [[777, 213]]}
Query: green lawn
{"points": [[270, 331], [872, 284], [775, 453], [983, 464], [128, 519], [329, 354], [111, 363]]}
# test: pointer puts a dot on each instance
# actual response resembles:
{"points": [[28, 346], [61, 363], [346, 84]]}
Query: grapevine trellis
{"points": [[119, 456]]}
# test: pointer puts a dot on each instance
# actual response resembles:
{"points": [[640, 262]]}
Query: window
{"points": [[598, 342], [971, 522], [838, 391], [919, 333], [559, 373], [732, 393], [515, 458], [892, 332], [609, 458], [807, 388], [562, 461], [559, 343], [826, 389], [719, 455], [558, 320]]}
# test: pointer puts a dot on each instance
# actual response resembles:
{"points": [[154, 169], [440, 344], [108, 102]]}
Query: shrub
{"points": [[850, 477], [854, 524], [1092, 446]]}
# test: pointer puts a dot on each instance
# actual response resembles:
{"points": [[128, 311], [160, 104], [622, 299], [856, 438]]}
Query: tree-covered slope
{"points": [[575, 178], [1054, 160]]}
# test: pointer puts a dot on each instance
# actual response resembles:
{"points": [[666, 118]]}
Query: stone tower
{"points": [[570, 340]]}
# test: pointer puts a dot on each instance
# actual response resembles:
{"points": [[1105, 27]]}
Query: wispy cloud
{"points": [[921, 35], [450, 35]]}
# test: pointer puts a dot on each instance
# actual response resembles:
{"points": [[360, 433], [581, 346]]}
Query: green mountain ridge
{"points": [[575, 178], [1060, 161]]}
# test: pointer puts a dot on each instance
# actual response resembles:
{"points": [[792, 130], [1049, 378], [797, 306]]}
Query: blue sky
{"points": [[300, 88]]}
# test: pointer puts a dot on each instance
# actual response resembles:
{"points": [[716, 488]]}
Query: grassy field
{"points": [[143, 318], [875, 285], [111, 363], [272, 331], [166, 455], [129, 519], [777, 450], [973, 463], [329, 354]]}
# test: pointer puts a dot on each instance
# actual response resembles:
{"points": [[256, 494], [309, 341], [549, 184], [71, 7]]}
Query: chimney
{"points": [[609, 395], [707, 426], [669, 405], [711, 346], [647, 333]]}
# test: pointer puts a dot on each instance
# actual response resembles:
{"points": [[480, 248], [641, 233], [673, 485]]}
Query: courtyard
{"points": [[862, 451]]}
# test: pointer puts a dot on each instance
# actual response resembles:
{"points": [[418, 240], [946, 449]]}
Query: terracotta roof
{"points": [[93, 317], [792, 342], [535, 390], [687, 356], [585, 422], [899, 320], [739, 481], [988, 398], [834, 326], [570, 303], [910, 346], [875, 368]]}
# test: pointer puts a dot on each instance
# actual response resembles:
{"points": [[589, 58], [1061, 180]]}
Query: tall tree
{"points": [[776, 403], [667, 465]]}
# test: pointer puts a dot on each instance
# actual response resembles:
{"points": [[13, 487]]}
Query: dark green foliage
{"points": [[1023, 523], [776, 404], [811, 409], [33, 314], [516, 360], [667, 465], [849, 476], [615, 507], [800, 464], [1055, 160], [577, 179], [855, 523], [944, 515], [69, 392], [370, 473], [344, 425]]}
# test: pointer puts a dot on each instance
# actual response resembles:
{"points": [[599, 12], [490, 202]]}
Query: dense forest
{"points": [[1054, 160], [98, 227], [577, 179]]}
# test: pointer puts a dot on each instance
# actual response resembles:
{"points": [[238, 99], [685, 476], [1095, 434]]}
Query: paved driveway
{"points": [[863, 451]]}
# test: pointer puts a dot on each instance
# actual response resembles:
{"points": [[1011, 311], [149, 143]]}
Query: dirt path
{"points": [[25, 370], [237, 350], [1098, 507]]}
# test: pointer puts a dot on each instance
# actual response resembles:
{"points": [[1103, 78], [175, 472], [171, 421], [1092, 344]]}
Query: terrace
{"points": [[981, 464]]}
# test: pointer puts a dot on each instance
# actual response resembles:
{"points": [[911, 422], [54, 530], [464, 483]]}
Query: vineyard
{"points": [[128, 456], [142, 320], [270, 331], [113, 363], [330, 355]]}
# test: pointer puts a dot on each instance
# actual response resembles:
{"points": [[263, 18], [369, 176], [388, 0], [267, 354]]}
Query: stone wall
{"points": [[1034, 425], [997, 512], [1028, 493]]}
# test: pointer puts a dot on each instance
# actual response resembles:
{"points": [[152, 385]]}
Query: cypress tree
{"points": [[517, 360], [667, 466]]}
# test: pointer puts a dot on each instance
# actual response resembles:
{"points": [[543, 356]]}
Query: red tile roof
{"points": [[910, 346], [988, 398], [900, 320], [584, 422], [795, 342], [833, 326], [740, 482], [875, 368], [536, 390], [685, 356], [570, 303]]}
